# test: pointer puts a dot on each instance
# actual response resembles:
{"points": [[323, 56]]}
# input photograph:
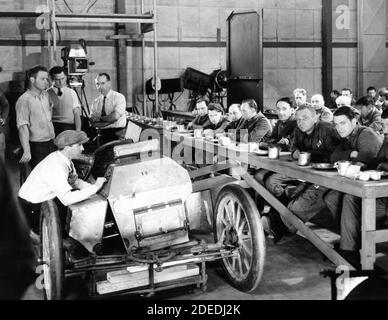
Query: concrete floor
{"points": [[291, 272]]}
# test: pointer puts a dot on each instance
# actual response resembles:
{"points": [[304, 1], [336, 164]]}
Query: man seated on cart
{"points": [[313, 136], [55, 178]]}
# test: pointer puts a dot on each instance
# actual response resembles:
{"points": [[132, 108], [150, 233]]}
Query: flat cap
{"points": [[70, 137], [215, 107]]}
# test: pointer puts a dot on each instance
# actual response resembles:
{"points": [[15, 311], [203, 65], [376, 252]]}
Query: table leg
{"points": [[368, 228]]}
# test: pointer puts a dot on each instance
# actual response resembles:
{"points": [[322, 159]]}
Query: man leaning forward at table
{"points": [[320, 139], [202, 117], [256, 127], [282, 133], [358, 144], [217, 121]]}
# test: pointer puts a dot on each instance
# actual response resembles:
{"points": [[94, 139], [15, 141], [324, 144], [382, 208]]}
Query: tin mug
{"points": [[304, 158], [198, 133], [342, 166], [273, 152]]}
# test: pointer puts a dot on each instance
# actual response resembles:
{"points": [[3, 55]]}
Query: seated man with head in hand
{"points": [[55, 178]]}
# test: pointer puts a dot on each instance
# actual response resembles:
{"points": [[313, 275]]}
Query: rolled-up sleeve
{"points": [[76, 103], [120, 104], [22, 113]]}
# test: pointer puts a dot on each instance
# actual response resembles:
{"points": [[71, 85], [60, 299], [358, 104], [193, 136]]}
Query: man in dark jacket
{"points": [[202, 117], [235, 118], [318, 138], [358, 144], [217, 122], [255, 123], [370, 116], [283, 131]]}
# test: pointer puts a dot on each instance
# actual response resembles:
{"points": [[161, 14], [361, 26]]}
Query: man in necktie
{"points": [[108, 110], [66, 105]]}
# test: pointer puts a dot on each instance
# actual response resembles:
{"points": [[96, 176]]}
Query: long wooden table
{"points": [[239, 158]]}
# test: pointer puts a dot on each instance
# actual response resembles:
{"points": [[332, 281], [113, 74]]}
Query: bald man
{"points": [[324, 113]]}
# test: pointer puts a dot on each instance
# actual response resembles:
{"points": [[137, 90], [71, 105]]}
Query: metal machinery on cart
{"points": [[136, 231]]}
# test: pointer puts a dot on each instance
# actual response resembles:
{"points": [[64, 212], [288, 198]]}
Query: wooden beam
{"points": [[296, 222], [327, 48], [121, 52]]}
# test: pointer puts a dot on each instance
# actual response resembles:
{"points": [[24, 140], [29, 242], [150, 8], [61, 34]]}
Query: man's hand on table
{"points": [[354, 155], [295, 155]]}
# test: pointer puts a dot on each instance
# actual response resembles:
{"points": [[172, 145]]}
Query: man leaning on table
{"points": [[360, 145], [318, 138], [256, 125]]}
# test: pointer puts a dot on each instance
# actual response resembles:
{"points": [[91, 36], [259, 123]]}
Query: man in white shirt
{"points": [[108, 110], [55, 177], [66, 106]]}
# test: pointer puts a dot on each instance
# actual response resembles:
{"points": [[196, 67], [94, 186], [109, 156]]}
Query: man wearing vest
{"points": [[66, 105], [108, 110]]}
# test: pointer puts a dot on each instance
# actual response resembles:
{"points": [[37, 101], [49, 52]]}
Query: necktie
{"points": [[59, 92], [103, 113], [72, 175]]}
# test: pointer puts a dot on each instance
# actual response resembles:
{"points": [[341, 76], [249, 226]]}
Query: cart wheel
{"points": [[238, 224], [51, 251]]}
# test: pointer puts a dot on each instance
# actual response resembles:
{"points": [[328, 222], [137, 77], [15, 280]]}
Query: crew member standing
{"points": [[33, 118], [66, 105]]}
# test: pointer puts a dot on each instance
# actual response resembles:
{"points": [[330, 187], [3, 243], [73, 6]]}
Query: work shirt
{"points": [[201, 121], [64, 105], [373, 121], [35, 111], [114, 102], [50, 179], [282, 130], [258, 128], [235, 125], [320, 143], [219, 127], [382, 156], [363, 140]]}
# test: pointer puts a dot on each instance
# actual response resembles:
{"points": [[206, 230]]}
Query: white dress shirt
{"points": [[49, 180], [115, 102]]}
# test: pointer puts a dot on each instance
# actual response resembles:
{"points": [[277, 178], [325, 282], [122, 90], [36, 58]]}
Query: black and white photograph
{"points": [[194, 158]]}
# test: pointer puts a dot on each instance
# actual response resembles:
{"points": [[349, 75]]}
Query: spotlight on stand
{"points": [[220, 80], [165, 86], [196, 81]]}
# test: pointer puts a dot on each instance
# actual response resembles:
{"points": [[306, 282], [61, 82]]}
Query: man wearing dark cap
{"points": [[217, 122], [55, 176]]}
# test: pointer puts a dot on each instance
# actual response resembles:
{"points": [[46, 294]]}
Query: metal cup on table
{"points": [[198, 133], [342, 166], [304, 158], [273, 152]]}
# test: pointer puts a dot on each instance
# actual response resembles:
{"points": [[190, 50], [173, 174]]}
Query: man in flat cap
{"points": [[55, 177], [217, 122]]}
